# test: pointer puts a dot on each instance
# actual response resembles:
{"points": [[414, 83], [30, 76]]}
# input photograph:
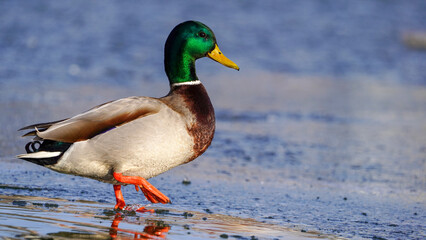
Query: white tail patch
{"points": [[41, 154]]}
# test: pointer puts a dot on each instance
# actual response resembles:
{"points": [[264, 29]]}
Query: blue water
{"points": [[323, 128], [122, 42]]}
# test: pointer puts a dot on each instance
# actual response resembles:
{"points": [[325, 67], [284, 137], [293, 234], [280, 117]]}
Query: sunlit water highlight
{"points": [[38, 217]]}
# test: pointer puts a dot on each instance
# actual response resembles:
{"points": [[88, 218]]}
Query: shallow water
{"points": [[35, 217], [322, 132], [353, 169]]}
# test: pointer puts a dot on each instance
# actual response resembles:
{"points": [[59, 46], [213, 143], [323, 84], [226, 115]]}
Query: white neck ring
{"points": [[196, 82]]}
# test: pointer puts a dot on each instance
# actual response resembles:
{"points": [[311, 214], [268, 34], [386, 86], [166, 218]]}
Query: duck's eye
{"points": [[202, 34]]}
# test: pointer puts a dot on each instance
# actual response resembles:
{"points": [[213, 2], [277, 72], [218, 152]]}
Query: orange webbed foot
{"points": [[144, 210], [150, 192]]}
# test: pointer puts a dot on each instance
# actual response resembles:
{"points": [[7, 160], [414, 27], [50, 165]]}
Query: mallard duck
{"points": [[130, 140]]}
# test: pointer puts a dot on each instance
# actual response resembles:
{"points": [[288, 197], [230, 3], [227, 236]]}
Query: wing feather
{"points": [[98, 119], [41, 125]]}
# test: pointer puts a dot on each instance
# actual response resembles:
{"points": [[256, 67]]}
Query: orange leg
{"points": [[119, 197], [150, 192]]}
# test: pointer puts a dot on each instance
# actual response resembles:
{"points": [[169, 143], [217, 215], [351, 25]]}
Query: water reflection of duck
{"points": [[152, 230], [129, 140]]}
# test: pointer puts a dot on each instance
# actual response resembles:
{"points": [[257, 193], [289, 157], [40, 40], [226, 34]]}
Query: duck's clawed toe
{"points": [[144, 210], [119, 206], [151, 193]]}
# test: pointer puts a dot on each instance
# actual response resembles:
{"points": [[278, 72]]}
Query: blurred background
{"points": [[323, 128], [122, 42]]}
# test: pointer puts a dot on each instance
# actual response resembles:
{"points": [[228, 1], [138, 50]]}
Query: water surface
{"points": [[321, 133]]}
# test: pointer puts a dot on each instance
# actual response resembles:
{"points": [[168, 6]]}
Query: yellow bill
{"points": [[218, 56]]}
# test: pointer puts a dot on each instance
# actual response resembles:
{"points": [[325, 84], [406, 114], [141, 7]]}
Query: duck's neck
{"points": [[179, 65], [193, 102]]}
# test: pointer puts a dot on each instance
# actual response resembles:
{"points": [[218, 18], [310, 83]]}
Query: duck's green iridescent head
{"points": [[186, 43]]}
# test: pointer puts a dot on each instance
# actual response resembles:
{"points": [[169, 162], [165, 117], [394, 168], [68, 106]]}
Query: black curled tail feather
{"points": [[31, 146], [46, 146], [39, 144]]}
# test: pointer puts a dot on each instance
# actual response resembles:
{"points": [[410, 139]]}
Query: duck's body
{"points": [[146, 146], [133, 139]]}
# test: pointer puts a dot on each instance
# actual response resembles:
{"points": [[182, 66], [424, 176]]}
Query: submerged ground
{"points": [[320, 135]]}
